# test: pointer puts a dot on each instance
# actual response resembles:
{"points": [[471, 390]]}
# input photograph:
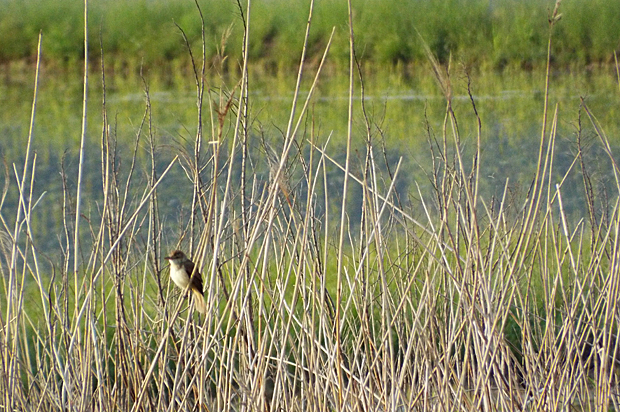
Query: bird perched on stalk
{"points": [[183, 274]]}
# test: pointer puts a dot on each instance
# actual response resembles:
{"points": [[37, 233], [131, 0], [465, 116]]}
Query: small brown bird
{"points": [[181, 268]]}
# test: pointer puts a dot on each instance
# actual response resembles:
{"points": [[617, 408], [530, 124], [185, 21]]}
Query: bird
{"points": [[181, 269]]}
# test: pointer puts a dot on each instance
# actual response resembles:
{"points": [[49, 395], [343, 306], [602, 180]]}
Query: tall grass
{"points": [[449, 302], [492, 34]]}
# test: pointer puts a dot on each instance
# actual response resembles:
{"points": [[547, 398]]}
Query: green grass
{"points": [[480, 33]]}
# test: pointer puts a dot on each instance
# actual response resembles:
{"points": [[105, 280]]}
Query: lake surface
{"points": [[401, 108]]}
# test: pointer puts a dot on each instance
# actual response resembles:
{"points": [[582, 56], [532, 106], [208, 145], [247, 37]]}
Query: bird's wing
{"points": [[196, 279], [189, 266]]}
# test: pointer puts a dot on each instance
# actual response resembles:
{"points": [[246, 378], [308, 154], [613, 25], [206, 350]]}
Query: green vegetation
{"points": [[481, 33], [330, 285]]}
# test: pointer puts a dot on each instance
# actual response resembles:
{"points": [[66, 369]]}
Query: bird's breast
{"points": [[179, 276]]}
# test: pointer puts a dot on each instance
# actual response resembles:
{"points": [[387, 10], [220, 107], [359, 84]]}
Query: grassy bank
{"points": [[440, 301], [482, 33]]}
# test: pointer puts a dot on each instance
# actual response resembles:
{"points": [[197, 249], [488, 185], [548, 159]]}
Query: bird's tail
{"points": [[199, 301]]}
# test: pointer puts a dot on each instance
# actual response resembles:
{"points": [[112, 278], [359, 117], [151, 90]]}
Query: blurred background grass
{"points": [[490, 34]]}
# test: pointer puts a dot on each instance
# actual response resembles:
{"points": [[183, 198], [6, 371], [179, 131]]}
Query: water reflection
{"points": [[406, 118]]}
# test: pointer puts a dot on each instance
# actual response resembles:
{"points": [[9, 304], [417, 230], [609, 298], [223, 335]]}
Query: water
{"points": [[401, 109]]}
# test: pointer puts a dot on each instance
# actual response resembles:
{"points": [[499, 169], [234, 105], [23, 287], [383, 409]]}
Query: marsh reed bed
{"points": [[446, 301]]}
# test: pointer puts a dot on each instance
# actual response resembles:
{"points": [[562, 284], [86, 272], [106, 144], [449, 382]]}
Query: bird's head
{"points": [[177, 256]]}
